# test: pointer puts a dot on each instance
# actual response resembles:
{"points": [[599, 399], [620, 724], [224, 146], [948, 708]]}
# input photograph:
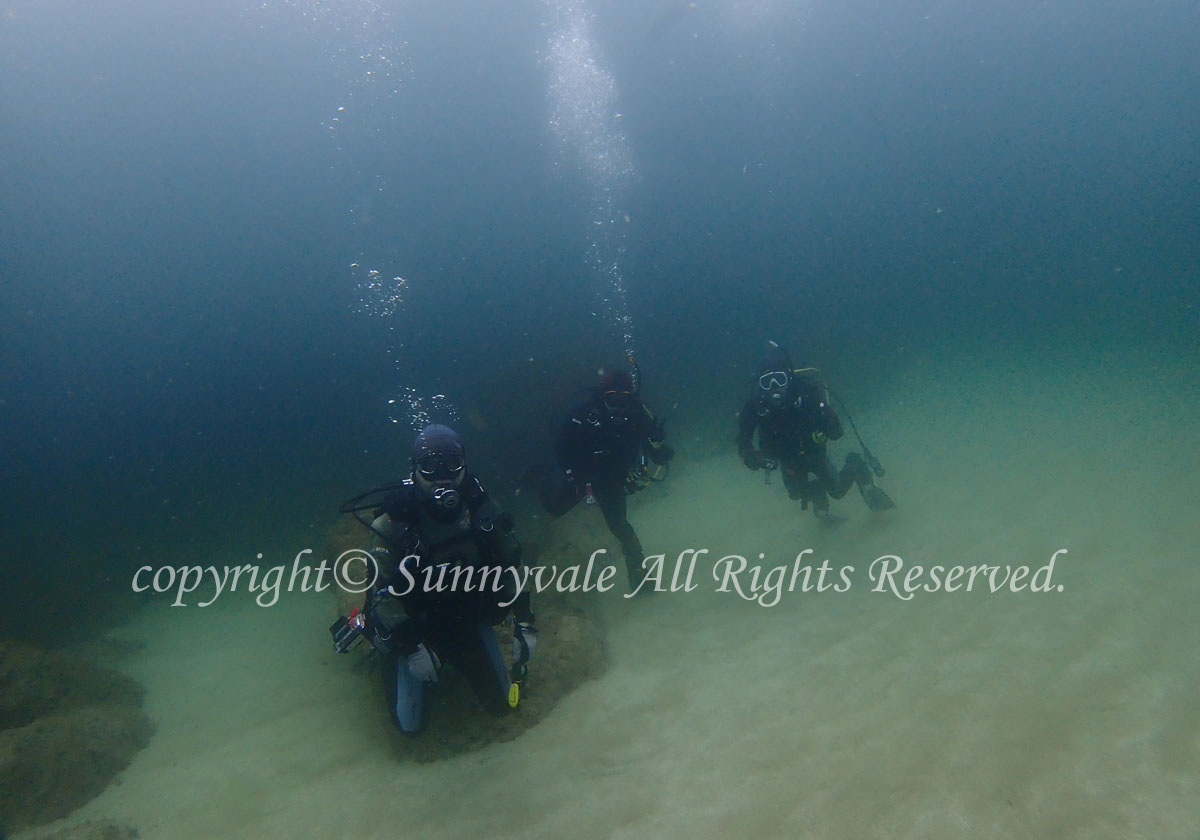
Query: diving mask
{"points": [[775, 380], [440, 465], [617, 402]]}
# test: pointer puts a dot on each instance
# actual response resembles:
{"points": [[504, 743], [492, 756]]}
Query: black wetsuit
{"points": [[793, 436], [595, 447], [417, 545]]}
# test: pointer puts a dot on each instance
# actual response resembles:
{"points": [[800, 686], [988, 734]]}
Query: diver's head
{"points": [[618, 395], [439, 465], [774, 376]]}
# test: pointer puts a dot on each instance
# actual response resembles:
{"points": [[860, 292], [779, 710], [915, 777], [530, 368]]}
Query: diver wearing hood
{"points": [[791, 414], [600, 448], [439, 524]]}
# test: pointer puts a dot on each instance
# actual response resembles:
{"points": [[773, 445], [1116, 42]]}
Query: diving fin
{"points": [[826, 517], [875, 498]]}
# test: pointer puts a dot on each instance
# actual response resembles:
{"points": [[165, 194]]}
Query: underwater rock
{"points": [[67, 728], [88, 830], [35, 682]]}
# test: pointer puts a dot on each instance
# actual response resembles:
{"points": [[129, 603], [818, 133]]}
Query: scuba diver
{"points": [[445, 560], [605, 449], [791, 413]]}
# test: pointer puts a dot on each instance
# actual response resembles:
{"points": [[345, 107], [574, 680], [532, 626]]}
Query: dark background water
{"points": [[184, 372]]}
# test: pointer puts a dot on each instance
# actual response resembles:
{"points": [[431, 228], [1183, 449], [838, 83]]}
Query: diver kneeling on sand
{"points": [[791, 413], [446, 566]]}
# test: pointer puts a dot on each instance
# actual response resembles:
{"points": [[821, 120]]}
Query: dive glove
{"points": [[658, 432], [424, 664], [753, 459], [524, 642]]}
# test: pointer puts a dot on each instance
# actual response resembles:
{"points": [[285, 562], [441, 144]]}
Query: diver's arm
{"points": [[517, 591], [406, 587], [827, 420], [833, 424], [501, 535], [522, 607], [655, 438], [381, 561], [394, 545], [655, 431], [505, 549], [817, 415]]}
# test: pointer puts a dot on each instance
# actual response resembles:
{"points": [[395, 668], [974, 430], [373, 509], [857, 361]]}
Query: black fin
{"points": [[875, 498]]}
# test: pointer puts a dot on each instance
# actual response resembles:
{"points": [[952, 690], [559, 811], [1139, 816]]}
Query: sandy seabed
{"points": [[1067, 714]]}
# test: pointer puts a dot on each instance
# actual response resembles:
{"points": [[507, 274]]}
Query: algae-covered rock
{"points": [[67, 728], [87, 830]]}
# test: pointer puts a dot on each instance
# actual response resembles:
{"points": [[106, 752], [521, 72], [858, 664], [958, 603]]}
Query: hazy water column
{"points": [[368, 55], [587, 124]]}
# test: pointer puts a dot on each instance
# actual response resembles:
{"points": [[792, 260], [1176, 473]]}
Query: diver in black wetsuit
{"points": [[791, 414], [601, 449], [435, 523]]}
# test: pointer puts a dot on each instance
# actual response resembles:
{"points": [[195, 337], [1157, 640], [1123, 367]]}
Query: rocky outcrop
{"points": [[67, 728]]}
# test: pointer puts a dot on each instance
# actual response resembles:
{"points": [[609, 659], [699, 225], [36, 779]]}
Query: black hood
{"points": [[776, 358]]}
